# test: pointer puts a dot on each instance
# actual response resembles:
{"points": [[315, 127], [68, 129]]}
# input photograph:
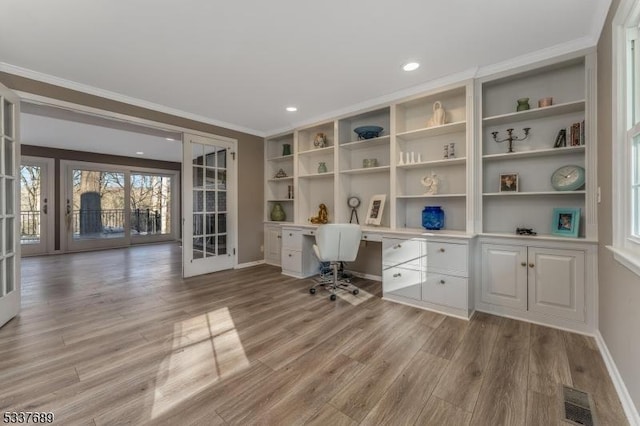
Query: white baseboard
{"points": [[366, 276], [627, 403], [249, 264]]}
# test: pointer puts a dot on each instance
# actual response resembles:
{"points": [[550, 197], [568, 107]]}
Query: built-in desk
{"points": [[429, 270]]}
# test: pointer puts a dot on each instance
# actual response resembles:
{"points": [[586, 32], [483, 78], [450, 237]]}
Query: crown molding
{"points": [[599, 18], [84, 88]]}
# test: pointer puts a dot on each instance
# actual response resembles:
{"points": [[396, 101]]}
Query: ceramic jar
{"points": [[433, 217], [523, 104], [286, 149], [322, 167], [277, 213]]}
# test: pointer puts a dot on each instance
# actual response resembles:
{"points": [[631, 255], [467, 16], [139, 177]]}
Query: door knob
{"points": [[397, 275], [523, 264], [397, 246], [441, 281], [531, 265], [44, 209], [441, 250]]}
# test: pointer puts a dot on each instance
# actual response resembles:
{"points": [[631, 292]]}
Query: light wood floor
{"points": [[117, 337]]}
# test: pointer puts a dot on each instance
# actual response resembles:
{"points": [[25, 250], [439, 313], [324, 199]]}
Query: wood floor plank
{"points": [[329, 415], [364, 392], [589, 374], [460, 384], [440, 412], [405, 398], [503, 396], [544, 410], [101, 345], [447, 337]]}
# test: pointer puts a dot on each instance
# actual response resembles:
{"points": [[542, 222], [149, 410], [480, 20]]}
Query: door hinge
{"points": [[234, 252], [233, 155]]}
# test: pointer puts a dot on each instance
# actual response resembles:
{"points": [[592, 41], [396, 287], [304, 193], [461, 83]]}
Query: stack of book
{"points": [[576, 134]]}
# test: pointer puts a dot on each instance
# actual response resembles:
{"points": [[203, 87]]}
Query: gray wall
{"points": [[619, 300], [250, 154]]}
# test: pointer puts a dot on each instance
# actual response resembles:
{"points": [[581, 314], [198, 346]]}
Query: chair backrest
{"points": [[338, 242]]}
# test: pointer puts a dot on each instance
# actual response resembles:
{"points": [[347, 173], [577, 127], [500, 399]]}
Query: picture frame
{"points": [[509, 182], [566, 222], [376, 209]]}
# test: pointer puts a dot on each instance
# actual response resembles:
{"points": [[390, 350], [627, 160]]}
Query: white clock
{"points": [[568, 178], [353, 202]]}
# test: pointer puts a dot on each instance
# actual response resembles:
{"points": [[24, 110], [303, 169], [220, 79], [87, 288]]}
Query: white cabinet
{"points": [[429, 274], [298, 257], [272, 245], [403, 267], [556, 282], [547, 281], [504, 275]]}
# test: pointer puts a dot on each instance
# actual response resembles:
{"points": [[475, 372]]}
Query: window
{"points": [[626, 135]]}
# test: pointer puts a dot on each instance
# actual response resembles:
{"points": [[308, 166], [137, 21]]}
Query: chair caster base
{"points": [[355, 292], [333, 297], [312, 290]]}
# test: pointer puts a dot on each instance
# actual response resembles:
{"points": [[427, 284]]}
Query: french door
{"points": [[36, 205], [209, 205], [9, 207]]}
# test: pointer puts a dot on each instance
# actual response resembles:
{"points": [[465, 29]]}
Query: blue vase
{"points": [[433, 217]]}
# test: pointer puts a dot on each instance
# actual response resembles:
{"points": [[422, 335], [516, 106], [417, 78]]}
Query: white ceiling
{"points": [[240, 63], [70, 131]]}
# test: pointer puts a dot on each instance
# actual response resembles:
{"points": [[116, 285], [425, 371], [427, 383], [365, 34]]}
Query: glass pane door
{"points": [[9, 208], [151, 205], [96, 208], [36, 205], [208, 202]]}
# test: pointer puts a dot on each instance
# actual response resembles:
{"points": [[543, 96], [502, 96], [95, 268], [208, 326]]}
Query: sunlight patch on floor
{"points": [[205, 349], [355, 299]]}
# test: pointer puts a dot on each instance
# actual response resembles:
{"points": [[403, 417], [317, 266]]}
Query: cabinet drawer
{"points": [[447, 258], [402, 282], [396, 251], [446, 290], [292, 260], [292, 239], [370, 236]]}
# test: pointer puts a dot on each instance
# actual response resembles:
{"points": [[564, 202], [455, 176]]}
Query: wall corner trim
{"points": [[625, 398]]}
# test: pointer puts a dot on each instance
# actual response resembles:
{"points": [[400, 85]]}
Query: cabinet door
{"points": [[504, 275], [403, 281], [272, 245], [556, 282]]}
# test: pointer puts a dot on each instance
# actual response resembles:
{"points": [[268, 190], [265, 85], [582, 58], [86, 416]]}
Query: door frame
{"points": [[187, 202], [50, 222]]}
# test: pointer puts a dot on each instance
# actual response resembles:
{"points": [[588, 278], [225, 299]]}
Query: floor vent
{"points": [[577, 409]]}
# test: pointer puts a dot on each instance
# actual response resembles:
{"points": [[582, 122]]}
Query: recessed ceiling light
{"points": [[170, 139], [140, 153], [411, 66], [292, 109]]}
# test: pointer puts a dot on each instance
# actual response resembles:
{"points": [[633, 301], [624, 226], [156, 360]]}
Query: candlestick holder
{"points": [[510, 138]]}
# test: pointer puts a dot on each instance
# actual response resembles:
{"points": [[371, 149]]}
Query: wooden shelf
{"points": [[434, 163], [280, 200], [280, 179], [532, 193], [366, 170], [281, 158], [317, 176], [535, 113], [413, 197], [445, 129], [367, 143], [535, 153], [326, 150]]}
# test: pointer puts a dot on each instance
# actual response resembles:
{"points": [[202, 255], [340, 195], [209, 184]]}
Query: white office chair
{"points": [[337, 243]]}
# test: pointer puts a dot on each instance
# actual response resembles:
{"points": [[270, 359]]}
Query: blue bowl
{"points": [[368, 132]]}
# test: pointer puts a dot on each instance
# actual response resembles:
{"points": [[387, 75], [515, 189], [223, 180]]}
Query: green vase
{"points": [[277, 213], [322, 167], [523, 104]]}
